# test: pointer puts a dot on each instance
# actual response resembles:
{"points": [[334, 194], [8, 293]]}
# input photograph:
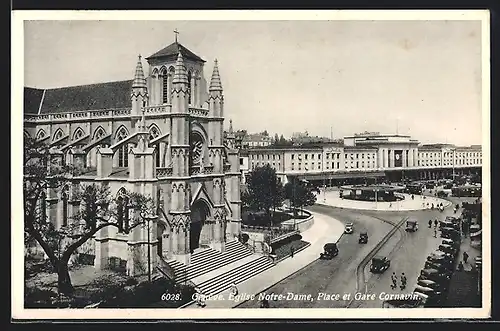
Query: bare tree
{"points": [[96, 210]]}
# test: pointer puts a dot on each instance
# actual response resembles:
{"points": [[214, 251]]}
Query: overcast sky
{"points": [[289, 76]]}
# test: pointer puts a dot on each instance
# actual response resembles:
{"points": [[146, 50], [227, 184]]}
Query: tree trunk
{"points": [[64, 285]]}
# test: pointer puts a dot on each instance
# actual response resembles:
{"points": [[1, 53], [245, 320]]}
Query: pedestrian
{"points": [[436, 223], [435, 233], [403, 281], [291, 251], [390, 205], [394, 280], [466, 257], [430, 224], [412, 197]]}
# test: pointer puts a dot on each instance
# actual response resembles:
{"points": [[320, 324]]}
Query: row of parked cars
{"points": [[432, 284]]}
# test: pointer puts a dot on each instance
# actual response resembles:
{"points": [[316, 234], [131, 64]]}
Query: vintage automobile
{"points": [[330, 250], [452, 225], [450, 242], [433, 298], [450, 233], [363, 238], [442, 255], [442, 260], [349, 228], [380, 264], [434, 275], [439, 289], [442, 268], [411, 225], [448, 249]]}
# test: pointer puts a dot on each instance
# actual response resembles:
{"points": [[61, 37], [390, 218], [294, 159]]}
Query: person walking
{"points": [[436, 223], [430, 224], [435, 233], [403, 281], [394, 280], [466, 257], [292, 250]]}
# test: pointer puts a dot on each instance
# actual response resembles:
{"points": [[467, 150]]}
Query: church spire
{"points": [[139, 79], [230, 126], [215, 83], [180, 74]]}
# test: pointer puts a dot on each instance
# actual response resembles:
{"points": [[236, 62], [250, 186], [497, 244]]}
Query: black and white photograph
{"points": [[214, 164]]}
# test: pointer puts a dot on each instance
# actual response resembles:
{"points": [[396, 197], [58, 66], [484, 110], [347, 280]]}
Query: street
{"points": [[406, 250]]}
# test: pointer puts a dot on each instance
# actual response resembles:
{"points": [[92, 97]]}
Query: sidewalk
{"points": [[332, 198], [325, 229]]}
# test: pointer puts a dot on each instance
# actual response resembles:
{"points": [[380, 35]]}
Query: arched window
{"points": [[123, 150], [65, 198], [43, 208], [166, 92], [123, 212], [40, 135], [154, 132], [190, 75], [78, 134], [99, 133], [58, 135]]}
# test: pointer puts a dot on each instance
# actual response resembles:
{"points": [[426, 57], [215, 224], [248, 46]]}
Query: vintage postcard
{"points": [[239, 164]]}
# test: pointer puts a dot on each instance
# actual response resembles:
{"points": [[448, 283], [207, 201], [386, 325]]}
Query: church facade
{"points": [[161, 135]]}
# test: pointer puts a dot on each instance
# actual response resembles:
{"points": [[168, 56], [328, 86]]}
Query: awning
{"points": [[476, 234]]}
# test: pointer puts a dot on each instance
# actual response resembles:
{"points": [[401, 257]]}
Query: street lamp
{"points": [[148, 218]]}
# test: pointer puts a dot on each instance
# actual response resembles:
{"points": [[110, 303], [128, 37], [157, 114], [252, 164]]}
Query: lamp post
{"points": [[147, 218]]}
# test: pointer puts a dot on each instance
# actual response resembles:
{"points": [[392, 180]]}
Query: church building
{"points": [[158, 134]]}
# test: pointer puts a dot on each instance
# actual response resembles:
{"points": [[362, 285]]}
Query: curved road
{"points": [[406, 250]]}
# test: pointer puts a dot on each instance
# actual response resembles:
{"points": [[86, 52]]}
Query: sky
{"points": [[419, 78]]}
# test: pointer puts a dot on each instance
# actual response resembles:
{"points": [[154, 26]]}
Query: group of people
{"points": [[436, 222], [394, 279]]}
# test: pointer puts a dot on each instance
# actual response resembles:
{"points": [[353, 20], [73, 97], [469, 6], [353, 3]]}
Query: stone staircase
{"points": [[208, 260], [235, 276]]}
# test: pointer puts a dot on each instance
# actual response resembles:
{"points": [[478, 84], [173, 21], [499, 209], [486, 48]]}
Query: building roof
{"points": [[360, 148], [109, 95], [171, 51]]}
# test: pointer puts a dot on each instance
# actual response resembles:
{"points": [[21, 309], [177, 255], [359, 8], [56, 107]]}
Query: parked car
{"points": [[330, 250], [451, 225], [450, 242], [411, 225], [380, 264], [448, 249], [434, 275], [450, 233], [363, 238], [439, 289], [448, 263], [445, 269], [442, 194], [349, 228]]}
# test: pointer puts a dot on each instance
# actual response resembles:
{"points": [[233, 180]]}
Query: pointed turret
{"points": [[230, 126], [139, 93], [215, 83], [180, 74], [139, 79]]}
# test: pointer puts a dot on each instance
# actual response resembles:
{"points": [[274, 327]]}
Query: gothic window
{"points": [[78, 134], [65, 198], [40, 135], [190, 75], [123, 150], [165, 87], [122, 212], [58, 135], [43, 208], [154, 132], [99, 133]]}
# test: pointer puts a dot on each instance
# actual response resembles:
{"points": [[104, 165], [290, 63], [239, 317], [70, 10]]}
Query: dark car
{"points": [[442, 255], [450, 233], [448, 249], [439, 289], [450, 225], [434, 275], [442, 194], [450, 242], [411, 226], [330, 250], [448, 263], [380, 264], [363, 238], [442, 268]]}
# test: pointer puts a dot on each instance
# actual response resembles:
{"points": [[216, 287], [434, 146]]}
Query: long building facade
{"points": [[159, 134], [366, 155]]}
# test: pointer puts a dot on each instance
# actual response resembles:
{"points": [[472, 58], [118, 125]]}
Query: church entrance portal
{"points": [[198, 233]]}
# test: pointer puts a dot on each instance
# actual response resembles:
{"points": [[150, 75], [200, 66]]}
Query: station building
{"points": [[366, 155]]}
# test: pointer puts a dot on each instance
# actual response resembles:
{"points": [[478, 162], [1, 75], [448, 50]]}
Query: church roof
{"points": [[110, 95], [172, 50]]}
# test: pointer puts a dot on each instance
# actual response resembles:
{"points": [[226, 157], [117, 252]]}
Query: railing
{"points": [[198, 112], [156, 109], [164, 172], [199, 170]]}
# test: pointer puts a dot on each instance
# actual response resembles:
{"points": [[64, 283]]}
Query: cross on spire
{"points": [[176, 33]]}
